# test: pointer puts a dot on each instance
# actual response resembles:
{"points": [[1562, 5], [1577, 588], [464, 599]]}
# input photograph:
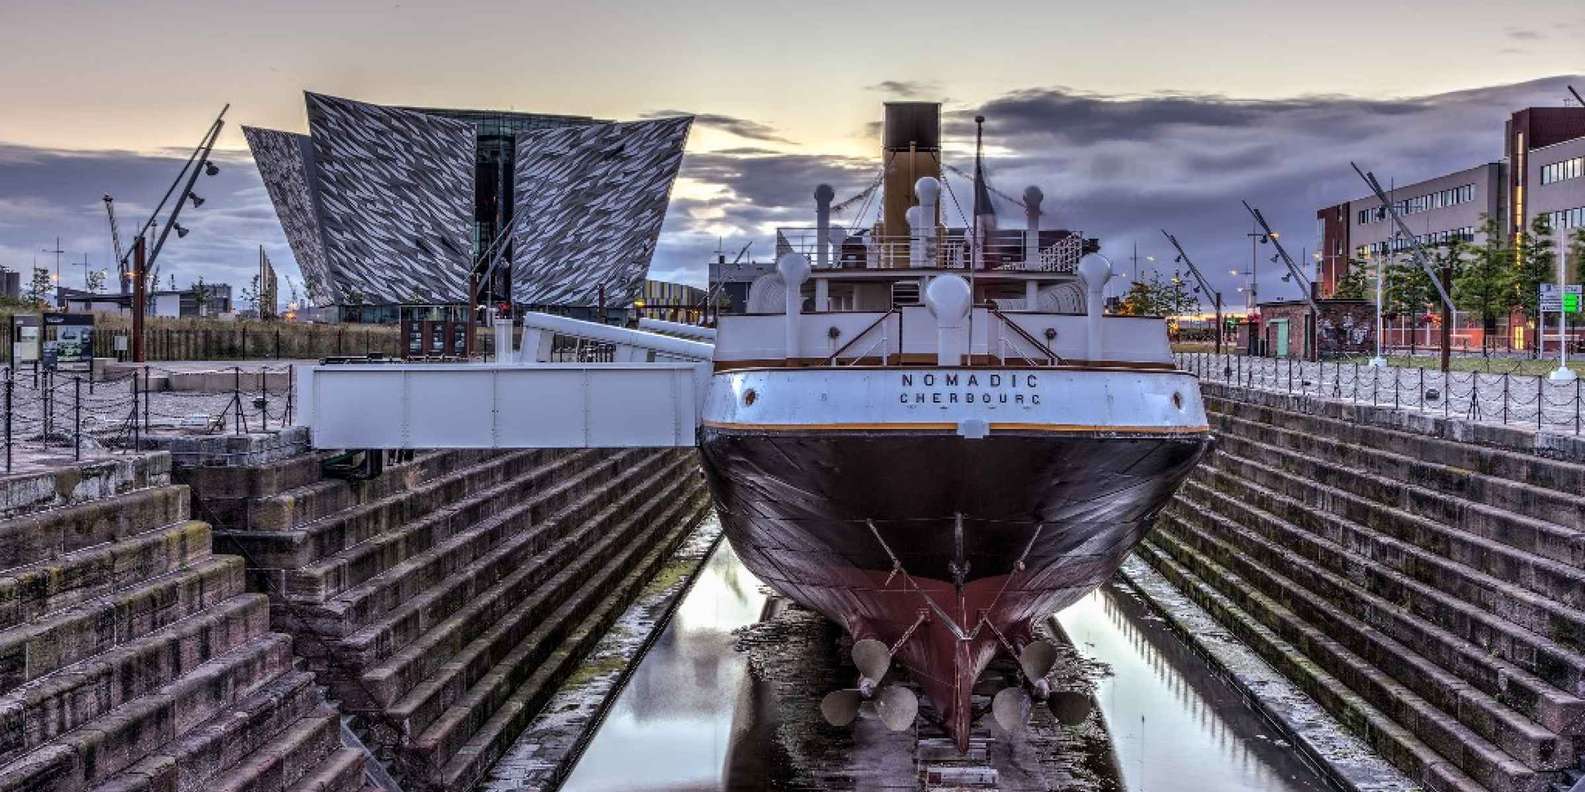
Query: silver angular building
{"points": [[591, 201], [391, 206]]}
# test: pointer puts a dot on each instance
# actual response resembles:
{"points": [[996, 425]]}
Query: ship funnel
{"points": [[1032, 198], [949, 299], [823, 197], [910, 151], [1094, 270]]}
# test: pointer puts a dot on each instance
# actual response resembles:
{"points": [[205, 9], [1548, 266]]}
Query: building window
{"points": [[1562, 171]]}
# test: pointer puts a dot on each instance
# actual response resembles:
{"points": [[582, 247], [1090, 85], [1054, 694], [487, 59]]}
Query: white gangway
{"points": [[649, 395]]}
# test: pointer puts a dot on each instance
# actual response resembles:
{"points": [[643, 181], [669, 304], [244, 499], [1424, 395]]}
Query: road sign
{"points": [[1565, 300]]}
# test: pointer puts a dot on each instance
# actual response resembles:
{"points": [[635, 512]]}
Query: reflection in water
{"points": [[669, 728], [1175, 725]]}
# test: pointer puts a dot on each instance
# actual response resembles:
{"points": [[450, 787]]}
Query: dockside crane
{"points": [[1204, 285], [1417, 251], [115, 240], [1298, 277]]}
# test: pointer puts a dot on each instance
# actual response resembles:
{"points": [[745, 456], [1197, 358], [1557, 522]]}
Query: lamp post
{"points": [[1379, 361], [1252, 297], [1562, 373]]}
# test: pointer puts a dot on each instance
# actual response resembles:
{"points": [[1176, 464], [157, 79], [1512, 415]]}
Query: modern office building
{"points": [[1542, 173], [1546, 148], [391, 206]]}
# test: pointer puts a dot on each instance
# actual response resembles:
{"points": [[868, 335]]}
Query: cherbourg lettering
{"points": [[978, 387]]}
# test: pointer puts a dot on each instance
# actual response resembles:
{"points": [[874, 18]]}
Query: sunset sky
{"points": [[1131, 116]]}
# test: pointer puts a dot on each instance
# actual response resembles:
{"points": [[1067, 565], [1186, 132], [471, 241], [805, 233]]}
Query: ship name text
{"points": [[958, 387]]}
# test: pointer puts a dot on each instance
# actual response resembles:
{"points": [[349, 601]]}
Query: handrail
{"points": [[831, 361], [1056, 360]]}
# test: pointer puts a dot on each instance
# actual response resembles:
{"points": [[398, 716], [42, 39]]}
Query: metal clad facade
{"points": [[590, 201], [396, 189], [286, 165]]}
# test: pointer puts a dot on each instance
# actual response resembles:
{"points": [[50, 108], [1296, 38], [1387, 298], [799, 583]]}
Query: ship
{"points": [[934, 435]]}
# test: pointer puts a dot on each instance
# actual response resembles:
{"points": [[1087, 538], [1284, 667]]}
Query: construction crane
{"points": [[115, 239]]}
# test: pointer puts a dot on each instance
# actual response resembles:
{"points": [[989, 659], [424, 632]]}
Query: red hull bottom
{"points": [[946, 549], [946, 640]]}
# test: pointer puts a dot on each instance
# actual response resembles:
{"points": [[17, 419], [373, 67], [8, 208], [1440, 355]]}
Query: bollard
{"points": [[236, 397], [77, 420], [1420, 398], [1540, 400], [137, 438], [145, 400], [1504, 398], [1395, 382], [264, 398], [10, 383]]}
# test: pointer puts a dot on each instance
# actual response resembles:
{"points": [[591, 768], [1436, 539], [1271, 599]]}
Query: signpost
{"points": [[1565, 300]]}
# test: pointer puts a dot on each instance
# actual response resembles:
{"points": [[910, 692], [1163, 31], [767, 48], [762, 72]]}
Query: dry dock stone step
{"points": [[1428, 592], [133, 660]]}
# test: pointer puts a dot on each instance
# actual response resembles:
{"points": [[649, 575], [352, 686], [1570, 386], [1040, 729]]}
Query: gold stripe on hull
{"points": [[948, 427]]}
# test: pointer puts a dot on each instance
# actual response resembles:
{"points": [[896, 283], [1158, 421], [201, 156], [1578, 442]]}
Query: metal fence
{"points": [[1506, 398], [56, 413]]}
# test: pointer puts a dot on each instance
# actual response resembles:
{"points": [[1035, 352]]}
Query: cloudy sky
{"points": [[1131, 116]]}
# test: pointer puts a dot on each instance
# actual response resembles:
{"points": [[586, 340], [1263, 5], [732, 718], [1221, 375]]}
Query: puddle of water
{"points": [[1175, 725], [670, 728]]}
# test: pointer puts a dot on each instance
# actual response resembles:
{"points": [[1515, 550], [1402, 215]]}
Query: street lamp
{"points": [[1380, 271]]}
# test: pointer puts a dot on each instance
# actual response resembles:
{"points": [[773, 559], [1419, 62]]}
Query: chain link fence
{"points": [[54, 413], [1508, 399]]}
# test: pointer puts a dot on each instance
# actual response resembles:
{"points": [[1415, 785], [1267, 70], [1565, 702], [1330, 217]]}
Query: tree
{"points": [[1158, 298], [96, 281], [1482, 283], [1534, 262], [200, 294], [250, 295], [1351, 286], [1408, 291], [39, 287]]}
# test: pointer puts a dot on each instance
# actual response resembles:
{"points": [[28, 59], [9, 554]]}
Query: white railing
{"points": [[949, 249]]}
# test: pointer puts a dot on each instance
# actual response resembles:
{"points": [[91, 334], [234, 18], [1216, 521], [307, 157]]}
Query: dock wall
{"points": [[133, 657], [1423, 579], [443, 601]]}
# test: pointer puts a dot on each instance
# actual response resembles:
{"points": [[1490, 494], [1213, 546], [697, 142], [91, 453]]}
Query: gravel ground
{"points": [[50, 420]]}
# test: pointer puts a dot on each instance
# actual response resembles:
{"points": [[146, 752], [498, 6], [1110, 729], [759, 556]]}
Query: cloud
{"points": [[1122, 167], [741, 127], [907, 89], [46, 193], [1519, 34], [1117, 167]]}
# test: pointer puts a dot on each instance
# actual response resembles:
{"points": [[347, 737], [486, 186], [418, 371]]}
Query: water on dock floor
{"points": [[670, 728], [1176, 725]]}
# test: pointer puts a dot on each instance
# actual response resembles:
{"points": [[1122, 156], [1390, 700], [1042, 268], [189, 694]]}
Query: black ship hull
{"points": [[957, 544]]}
